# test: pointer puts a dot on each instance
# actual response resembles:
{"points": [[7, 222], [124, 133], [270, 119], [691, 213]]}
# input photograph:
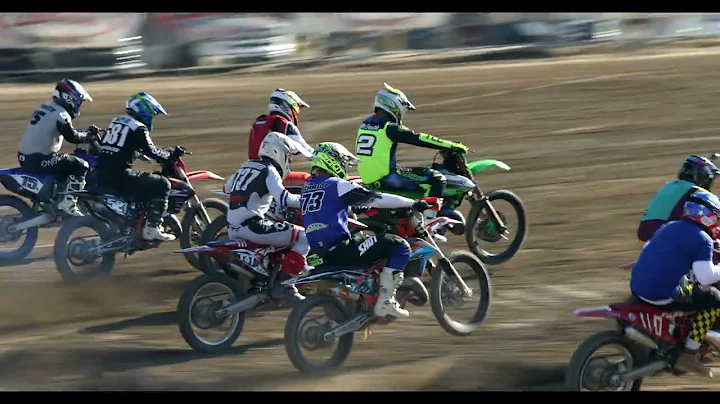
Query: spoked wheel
{"points": [[216, 230], [481, 228], [74, 257], [16, 245], [200, 325], [305, 332], [193, 226], [590, 370], [457, 314]]}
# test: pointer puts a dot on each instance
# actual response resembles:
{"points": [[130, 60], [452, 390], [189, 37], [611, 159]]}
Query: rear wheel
{"points": [[304, 334], [76, 251], [15, 246], [197, 309], [589, 371], [193, 226]]}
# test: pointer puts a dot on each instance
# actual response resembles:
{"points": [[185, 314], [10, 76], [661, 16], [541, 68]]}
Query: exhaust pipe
{"points": [[646, 370], [640, 338], [243, 305]]}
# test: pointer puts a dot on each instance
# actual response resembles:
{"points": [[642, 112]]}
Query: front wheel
{"points": [[8, 252], [197, 309], [446, 295], [588, 372], [193, 226], [76, 251], [481, 226], [307, 334]]}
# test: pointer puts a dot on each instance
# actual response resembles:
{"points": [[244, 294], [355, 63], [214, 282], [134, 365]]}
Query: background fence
{"points": [[36, 42]]}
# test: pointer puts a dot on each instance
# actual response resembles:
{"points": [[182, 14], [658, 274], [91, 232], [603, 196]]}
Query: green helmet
{"points": [[333, 158]]}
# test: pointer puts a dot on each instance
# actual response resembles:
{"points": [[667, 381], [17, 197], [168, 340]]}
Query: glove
{"points": [[421, 206], [459, 148], [93, 132]]}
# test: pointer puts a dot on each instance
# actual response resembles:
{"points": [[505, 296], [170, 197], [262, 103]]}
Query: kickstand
{"points": [[367, 334]]}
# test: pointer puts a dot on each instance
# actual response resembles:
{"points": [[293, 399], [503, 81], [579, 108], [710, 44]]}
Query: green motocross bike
{"points": [[484, 223]]}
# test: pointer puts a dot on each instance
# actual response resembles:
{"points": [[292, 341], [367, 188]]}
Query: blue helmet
{"points": [[143, 107], [703, 208], [70, 95]]}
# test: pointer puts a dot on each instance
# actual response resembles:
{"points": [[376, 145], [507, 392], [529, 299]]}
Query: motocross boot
{"points": [[386, 304], [688, 361], [69, 203], [293, 264], [152, 229]]}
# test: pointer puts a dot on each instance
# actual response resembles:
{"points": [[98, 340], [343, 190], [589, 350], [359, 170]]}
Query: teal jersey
{"points": [[661, 206]]}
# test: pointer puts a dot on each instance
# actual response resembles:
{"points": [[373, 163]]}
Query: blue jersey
{"points": [[324, 204], [667, 257]]}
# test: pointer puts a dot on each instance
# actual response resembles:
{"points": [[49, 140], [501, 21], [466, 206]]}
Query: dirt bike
{"points": [[354, 293], [44, 193], [118, 221], [649, 339], [488, 223], [250, 280]]}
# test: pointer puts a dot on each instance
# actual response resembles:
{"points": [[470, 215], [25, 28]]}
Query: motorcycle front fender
{"points": [[482, 165]]}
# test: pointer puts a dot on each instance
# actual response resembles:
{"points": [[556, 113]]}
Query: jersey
{"points": [[667, 204], [49, 125], [325, 203], [124, 139], [253, 188], [667, 257], [274, 122], [376, 145]]}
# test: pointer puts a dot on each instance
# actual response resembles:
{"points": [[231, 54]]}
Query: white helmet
{"points": [[287, 103], [279, 148], [394, 102]]}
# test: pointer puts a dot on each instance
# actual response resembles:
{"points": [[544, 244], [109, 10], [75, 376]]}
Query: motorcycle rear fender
{"points": [[627, 266], [193, 249], [203, 175], [219, 192], [358, 224], [482, 165], [596, 312]]}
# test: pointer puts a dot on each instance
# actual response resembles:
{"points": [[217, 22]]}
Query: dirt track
{"points": [[588, 144]]}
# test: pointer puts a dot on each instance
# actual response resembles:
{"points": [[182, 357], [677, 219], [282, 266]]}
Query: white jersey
{"points": [[252, 189], [44, 133]]}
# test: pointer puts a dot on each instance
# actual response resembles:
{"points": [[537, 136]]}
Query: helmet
{"points": [[698, 170], [278, 148], [143, 107], [70, 95], [394, 102], [703, 207], [287, 103], [333, 158]]}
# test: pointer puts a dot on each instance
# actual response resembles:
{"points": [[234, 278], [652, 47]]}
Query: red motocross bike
{"points": [[117, 222], [647, 342]]}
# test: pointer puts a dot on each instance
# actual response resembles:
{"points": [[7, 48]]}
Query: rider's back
{"points": [[325, 215], [375, 149], [124, 137], [666, 205], [263, 125], [42, 134], [668, 256], [249, 191]]}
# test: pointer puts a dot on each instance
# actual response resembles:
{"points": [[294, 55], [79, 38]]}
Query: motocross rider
{"points": [[376, 144], [43, 138], [283, 115], [657, 277], [326, 199], [126, 137], [668, 203], [252, 189]]}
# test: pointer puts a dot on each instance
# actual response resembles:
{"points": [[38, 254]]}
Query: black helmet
{"points": [[698, 170]]}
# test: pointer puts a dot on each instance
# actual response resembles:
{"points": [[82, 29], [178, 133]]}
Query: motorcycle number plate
{"points": [[116, 205], [28, 183], [250, 259]]}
